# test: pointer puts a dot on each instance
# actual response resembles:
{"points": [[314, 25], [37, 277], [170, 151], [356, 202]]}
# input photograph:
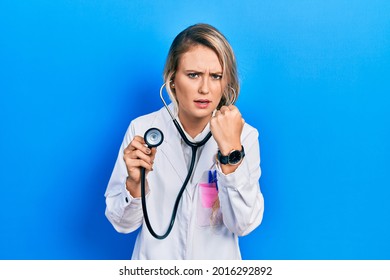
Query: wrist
{"points": [[225, 149], [133, 188], [234, 157]]}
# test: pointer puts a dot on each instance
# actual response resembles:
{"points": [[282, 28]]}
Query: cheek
{"points": [[223, 86], [181, 95], [218, 92], [184, 91], [218, 87]]}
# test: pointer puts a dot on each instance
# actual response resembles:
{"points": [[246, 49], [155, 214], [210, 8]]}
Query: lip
{"points": [[202, 103]]}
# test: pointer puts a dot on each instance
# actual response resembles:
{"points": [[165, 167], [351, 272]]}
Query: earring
{"points": [[172, 85]]}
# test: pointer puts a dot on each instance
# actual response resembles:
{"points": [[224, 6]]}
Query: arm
{"points": [[240, 198], [123, 209], [241, 201]]}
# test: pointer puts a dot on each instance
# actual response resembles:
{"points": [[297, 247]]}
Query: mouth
{"points": [[202, 103]]}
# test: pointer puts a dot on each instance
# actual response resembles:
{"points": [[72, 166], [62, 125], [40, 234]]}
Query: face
{"points": [[198, 85]]}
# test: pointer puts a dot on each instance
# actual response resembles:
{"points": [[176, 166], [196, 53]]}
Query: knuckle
{"points": [[137, 153], [132, 144], [127, 160]]}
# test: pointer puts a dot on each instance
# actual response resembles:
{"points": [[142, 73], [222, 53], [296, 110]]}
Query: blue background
{"points": [[315, 82]]}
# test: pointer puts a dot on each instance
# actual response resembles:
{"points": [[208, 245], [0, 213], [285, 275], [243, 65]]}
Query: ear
{"points": [[172, 84]]}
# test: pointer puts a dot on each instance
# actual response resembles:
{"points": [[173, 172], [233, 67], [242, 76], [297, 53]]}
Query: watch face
{"points": [[234, 157]]}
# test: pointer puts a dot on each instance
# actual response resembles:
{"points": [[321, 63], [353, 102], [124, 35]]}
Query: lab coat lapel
{"points": [[173, 152]]}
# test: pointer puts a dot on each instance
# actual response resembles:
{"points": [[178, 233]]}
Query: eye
{"points": [[193, 75], [216, 76]]}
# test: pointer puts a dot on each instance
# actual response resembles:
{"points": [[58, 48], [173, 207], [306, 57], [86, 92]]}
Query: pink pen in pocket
{"points": [[209, 191]]}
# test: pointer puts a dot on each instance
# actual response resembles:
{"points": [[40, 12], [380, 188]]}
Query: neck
{"points": [[193, 126]]}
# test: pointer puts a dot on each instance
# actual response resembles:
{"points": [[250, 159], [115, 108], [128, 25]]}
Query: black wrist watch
{"points": [[233, 158]]}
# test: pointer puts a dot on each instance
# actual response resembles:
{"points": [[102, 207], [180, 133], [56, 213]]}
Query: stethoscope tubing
{"points": [[176, 205]]}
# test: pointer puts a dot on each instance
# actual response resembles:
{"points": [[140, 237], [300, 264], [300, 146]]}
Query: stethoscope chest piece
{"points": [[153, 137]]}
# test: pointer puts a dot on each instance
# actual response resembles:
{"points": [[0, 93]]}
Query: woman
{"points": [[222, 199]]}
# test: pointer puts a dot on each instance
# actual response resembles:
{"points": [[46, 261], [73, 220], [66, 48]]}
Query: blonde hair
{"points": [[208, 36]]}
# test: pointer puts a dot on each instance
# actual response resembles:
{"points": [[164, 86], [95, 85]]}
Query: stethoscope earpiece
{"points": [[153, 137]]}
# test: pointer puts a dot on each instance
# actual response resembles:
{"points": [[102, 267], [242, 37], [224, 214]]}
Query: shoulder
{"points": [[151, 117], [159, 118]]}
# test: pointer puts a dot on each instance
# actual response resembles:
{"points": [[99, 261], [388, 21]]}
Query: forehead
{"points": [[200, 58]]}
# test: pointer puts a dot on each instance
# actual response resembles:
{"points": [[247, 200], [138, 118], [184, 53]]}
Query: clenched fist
{"points": [[226, 127]]}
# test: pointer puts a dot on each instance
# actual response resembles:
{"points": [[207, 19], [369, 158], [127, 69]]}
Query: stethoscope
{"points": [[153, 138]]}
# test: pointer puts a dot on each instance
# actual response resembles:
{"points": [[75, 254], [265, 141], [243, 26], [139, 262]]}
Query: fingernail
{"points": [[148, 151]]}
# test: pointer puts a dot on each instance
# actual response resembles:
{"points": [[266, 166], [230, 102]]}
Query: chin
{"points": [[203, 114]]}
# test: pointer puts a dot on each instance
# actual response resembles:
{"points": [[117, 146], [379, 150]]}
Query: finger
{"points": [[138, 143], [224, 109], [136, 163], [138, 154], [128, 149], [144, 164], [234, 110], [139, 139], [232, 107], [153, 154], [131, 147], [217, 113]]}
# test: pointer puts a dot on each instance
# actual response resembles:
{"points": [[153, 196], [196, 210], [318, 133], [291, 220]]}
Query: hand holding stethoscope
{"points": [[137, 155]]}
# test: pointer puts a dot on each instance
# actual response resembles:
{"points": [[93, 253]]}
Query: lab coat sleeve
{"points": [[241, 201], [122, 210]]}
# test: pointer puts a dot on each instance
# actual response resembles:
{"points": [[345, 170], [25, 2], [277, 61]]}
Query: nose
{"points": [[204, 86]]}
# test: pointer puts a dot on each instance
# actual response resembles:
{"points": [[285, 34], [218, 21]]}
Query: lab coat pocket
{"points": [[208, 213], [208, 194]]}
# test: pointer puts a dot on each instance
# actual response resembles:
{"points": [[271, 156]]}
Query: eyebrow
{"points": [[199, 71]]}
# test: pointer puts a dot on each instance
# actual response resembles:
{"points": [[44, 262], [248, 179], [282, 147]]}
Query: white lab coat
{"points": [[193, 235]]}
